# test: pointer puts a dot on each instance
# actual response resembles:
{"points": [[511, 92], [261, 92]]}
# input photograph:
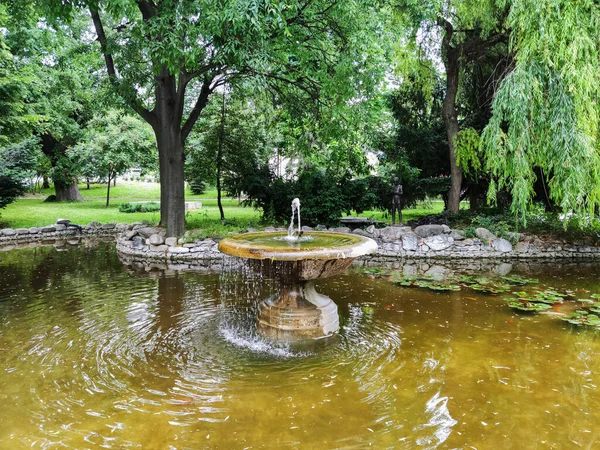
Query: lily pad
{"points": [[518, 280], [490, 287], [527, 306], [583, 318]]}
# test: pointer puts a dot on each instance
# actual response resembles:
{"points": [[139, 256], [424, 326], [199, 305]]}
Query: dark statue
{"points": [[396, 201]]}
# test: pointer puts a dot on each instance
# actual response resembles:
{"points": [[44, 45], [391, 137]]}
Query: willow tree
{"points": [[546, 112], [166, 57]]}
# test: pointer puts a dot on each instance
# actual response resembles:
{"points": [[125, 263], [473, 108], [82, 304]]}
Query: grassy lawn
{"points": [[33, 212]]}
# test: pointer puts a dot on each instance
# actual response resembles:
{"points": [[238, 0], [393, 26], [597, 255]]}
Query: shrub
{"points": [[139, 207]]}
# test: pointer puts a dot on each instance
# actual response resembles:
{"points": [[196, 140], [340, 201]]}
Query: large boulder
{"points": [[148, 231], [410, 242], [171, 241], [391, 234], [502, 245], [156, 239], [425, 231], [439, 242], [63, 221], [8, 232], [139, 242], [484, 234]]}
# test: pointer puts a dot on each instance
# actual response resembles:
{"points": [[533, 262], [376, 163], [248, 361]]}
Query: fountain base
{"points": [[298, 311]]}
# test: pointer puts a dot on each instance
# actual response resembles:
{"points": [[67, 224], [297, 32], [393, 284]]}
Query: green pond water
{"points": [[95, 355]]}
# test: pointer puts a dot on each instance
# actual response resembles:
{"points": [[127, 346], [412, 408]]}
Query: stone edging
{"points": [[139, 242], [63, 229]]}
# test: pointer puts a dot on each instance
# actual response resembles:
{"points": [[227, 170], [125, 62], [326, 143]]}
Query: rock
{"points": [[370, 229], [63, 221], [109, 226], [446, 228], [522, 247], [438, 242], [122, 227], [157, 239], [171, 241], [181, 241], [305, 228], [502, 245], [60, 227], [341, 230], [190, 245], [148, 231], [410, 242], [269, 229], [429, 230], [179, 250], [126, 243], [8, 232], [94, 224], [361, 232], [484, 234], [158, 248], [457, 235], [139, 242], [34, 230], [391, 234], [48, 229], [131, 234], [22, 231], [320, 228], [424, 248]]}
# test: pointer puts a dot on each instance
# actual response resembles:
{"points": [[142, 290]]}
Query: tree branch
{"points": [[201, 102], [132, 100]]}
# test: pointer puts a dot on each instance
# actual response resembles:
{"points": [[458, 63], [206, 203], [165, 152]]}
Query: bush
{"points": [[139, 207]]}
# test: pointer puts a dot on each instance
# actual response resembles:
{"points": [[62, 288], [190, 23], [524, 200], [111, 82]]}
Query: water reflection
{"points": [[90, 351]]}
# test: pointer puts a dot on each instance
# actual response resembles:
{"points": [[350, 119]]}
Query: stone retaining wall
{"points": [[62, 230], [139, 242]]}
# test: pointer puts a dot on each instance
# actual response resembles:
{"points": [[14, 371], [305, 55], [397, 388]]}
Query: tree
{"points": [[468, 29], [546, 112], [114, 143], [236, 138], [18, 165], [51, 87], [166, 58]]}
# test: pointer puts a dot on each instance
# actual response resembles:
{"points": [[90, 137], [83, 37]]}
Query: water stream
{"points": [[96, 355]]}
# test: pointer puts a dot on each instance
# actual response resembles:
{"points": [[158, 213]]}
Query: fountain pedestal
{"points": [[298, 311]]}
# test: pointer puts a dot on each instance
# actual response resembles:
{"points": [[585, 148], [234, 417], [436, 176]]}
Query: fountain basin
{"points": [[312, 245]]}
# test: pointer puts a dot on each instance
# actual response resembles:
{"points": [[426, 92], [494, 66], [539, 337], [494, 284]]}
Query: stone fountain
{"points": [[296, 259]]}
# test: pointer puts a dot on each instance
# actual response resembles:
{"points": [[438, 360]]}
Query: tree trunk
{"points": [[108, 191], [450, 115], [169, 138], [67, 192], [46, 183], [220, 158], [87, 180], [115, 181]]}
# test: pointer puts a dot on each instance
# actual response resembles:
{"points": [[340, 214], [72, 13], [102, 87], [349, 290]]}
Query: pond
{"points": [[97, 355]]}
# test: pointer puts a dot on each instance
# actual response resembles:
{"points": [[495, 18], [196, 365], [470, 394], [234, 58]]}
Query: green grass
{"points": [[127, 191], [33, 212]]}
